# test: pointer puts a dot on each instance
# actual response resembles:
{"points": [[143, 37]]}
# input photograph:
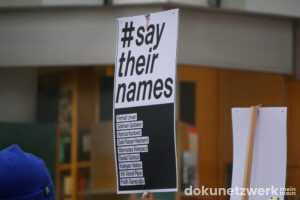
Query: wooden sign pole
{"points": [[250, 150]]}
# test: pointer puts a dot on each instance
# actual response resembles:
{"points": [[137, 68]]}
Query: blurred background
{"points": [[56, 85]]}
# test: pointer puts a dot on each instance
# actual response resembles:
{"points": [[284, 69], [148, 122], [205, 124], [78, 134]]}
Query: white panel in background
{"points": [[185, 2], [72, 2], [269, 157]]}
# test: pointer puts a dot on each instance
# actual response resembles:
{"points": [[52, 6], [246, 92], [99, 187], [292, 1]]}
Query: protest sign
{"points": [[268, 167], [144, 103]]}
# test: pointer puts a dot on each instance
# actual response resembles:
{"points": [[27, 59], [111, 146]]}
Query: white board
{"points": [[144, 103], [269, 157]]}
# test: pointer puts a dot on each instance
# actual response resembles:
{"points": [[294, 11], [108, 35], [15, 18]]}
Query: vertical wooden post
{"points": [[250, 150], [74, 134]]}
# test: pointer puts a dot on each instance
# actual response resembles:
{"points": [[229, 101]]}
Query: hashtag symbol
{"points": [[127, 37]]}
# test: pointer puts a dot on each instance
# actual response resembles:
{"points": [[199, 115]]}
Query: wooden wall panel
{"points": [[206, 80], [87, 83], [244, 89], [294, 123], [293, 172], [293, 181]]}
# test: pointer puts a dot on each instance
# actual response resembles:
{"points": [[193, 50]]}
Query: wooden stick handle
{"points": [[148, 196], [250, 150]]}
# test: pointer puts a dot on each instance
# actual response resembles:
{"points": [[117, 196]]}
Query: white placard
{"points": [[144, 102], [269, 157], [146, 59]]}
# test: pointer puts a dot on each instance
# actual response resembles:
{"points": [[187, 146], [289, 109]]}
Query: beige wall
{"points": [[87, 36]]}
